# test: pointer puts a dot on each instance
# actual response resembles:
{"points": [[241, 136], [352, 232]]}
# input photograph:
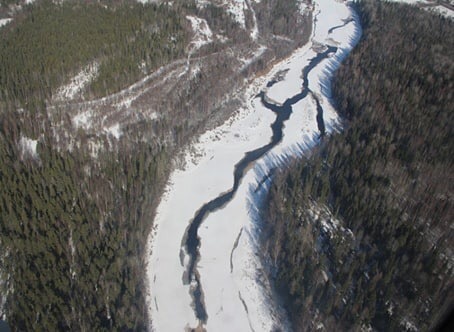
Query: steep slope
{"points": [[92, 117], [359, 235]]}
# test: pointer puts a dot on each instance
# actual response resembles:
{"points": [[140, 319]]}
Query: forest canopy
{"points": [[387, 180], [48, 41]]}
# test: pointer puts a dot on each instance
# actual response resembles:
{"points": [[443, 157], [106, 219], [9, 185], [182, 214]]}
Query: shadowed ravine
{"points": [[191, 241]]}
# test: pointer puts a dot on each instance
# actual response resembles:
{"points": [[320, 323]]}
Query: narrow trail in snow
{"points": [[246, 310], [191, 240], [235, 245]]}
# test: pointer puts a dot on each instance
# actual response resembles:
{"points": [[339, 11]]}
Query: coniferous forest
{"points": [[359, 234], [76, 206], [73, 229], [47, 41]]}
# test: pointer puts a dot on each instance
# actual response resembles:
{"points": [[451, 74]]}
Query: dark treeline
{"points": [[388, 181]]}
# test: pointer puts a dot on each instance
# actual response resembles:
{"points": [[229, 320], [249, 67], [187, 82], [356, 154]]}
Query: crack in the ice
{"points": [[347, 21], [235, 245], [156, 304], [247, 311]]}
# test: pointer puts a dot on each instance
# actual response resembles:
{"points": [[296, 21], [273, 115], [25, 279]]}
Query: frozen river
{"points": [[204, 270]]}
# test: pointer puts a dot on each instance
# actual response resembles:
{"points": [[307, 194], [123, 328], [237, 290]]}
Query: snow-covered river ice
{"points": [[203, 269]]}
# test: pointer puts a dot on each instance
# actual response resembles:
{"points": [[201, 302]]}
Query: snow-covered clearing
{"points": [[202, 32], [78, 83], [234, 289], [107, 115]]}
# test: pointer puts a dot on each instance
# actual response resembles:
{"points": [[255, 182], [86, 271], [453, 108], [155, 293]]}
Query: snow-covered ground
{"points": [[114, 130], [82, 120], [444, 11], [430, 6], [78, 83], [28, 146], [237, 8], [229, 268], [5, 21], [202, 32]]}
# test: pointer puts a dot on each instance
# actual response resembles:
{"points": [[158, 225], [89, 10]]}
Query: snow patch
{"points": [[443, 11], [115, 131], [82, 120], [255, 56], [28, 146], [4, 291], [78, 83], [125, 102], [237, 8], [408, 325], [303, 7], [255, 27], [202, 32], [151, 1], [195, 71], [5, 21], [330, 225], [202, 3], [94, 147], [432, 7]]}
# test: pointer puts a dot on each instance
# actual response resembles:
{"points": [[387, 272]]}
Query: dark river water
{"points": [[191, 241]]}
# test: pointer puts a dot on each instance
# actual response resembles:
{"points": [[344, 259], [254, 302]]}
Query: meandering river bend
{"points": [[203, 270]]}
